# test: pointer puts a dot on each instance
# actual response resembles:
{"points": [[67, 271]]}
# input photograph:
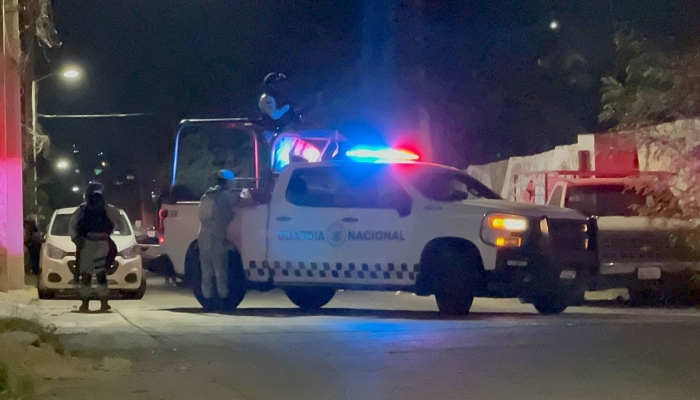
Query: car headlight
{"points": [[504, 230], [128, 253], [55, 253]]}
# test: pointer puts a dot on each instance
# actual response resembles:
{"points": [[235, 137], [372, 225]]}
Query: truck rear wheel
{"points": [[236, 282], [458, 279], [310, 298]]}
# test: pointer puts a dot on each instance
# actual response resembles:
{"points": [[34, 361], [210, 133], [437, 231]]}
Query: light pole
{"points": [[69, 73]]}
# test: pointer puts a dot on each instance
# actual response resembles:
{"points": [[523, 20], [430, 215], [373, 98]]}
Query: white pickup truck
{"points": [[416, 227]]}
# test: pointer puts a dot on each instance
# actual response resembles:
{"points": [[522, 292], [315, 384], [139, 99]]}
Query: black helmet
{"points": [[94, 187], [272, 77]]}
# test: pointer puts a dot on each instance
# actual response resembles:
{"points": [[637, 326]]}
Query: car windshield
{"points": [[604, 200], [451, 186], [60, 225]]}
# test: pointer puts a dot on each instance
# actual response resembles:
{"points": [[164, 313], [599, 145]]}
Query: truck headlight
{"points": [[128, 253], [504, 230]]}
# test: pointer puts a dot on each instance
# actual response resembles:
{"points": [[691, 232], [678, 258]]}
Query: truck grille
{"points": [[649, 246], [567, 234]]}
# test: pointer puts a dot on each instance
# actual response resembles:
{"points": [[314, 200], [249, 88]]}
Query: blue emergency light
{"points": [[381, 154]]}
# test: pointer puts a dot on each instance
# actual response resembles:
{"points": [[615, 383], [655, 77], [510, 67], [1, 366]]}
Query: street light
{"points": [[554, 25], [69, 72], [62, 165], [75, 189]]}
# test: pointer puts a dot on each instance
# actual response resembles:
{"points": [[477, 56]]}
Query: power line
{"points": [[93, 115]]}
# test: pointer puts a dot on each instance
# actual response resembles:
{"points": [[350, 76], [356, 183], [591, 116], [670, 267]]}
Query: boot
{"points": [[104, 307], [85, 306]]}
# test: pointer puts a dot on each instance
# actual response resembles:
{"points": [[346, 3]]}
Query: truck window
{"points": [[604, 200], [451, 186], [555, 197], [346, 187], [205, 148]]}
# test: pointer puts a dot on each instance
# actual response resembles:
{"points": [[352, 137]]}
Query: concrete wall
{"points": [[11, 226]]}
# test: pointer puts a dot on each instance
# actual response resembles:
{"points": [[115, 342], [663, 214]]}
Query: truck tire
{"points": [[193, 275], [551, 303], [236, 285], [310, 298], [458, 279], [646, 297]]}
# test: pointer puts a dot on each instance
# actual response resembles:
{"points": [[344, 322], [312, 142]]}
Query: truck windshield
{"points": [[203, 148], [451, 186], [604, 200]]}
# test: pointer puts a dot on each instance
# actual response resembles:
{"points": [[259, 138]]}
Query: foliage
{"points": [[675, 193], [658, 85]]}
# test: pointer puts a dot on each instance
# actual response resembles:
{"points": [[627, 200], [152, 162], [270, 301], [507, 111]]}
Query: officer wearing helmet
{"points": [[274, 105], [90, 228], [215, 214]]}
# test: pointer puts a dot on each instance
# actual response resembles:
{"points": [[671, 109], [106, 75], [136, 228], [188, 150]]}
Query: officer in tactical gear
{"points": [[90, 228], [274, 105], [216, 211]]}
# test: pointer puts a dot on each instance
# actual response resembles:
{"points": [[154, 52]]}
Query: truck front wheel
{"points": [[458, 279], [551, 302], [310, 298]]}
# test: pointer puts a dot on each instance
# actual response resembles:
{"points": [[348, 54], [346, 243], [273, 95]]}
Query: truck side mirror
{"points": [[404, 206]]}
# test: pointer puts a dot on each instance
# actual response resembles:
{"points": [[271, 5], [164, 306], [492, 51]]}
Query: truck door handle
{"points": [[284, 219], [350, 220]]}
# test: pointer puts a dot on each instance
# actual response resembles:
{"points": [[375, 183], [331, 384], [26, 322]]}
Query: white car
{"points": [[59, 251]]}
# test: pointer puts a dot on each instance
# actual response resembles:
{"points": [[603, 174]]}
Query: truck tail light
{"points": [[162, 215]]}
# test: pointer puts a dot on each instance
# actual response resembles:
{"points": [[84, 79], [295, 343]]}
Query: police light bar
{"points": [[381, 154]]}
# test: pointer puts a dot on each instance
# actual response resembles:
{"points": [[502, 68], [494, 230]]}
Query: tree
{"points": [[657, 86], [656, 99]]}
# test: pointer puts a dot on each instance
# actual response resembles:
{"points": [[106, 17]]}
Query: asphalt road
{"points": [[369, 346]]}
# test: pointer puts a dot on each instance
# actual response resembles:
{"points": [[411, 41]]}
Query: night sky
{"points": [[200, 58]]}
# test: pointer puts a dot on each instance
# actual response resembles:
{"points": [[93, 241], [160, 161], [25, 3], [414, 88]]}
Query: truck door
{"points": [[376, 226], [302, 247]]}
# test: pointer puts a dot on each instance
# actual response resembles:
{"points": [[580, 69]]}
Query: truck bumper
{"points": [[647, 275], [545, 264]]}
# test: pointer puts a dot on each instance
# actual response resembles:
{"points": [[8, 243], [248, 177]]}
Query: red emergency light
{"points": [[370, 154]]}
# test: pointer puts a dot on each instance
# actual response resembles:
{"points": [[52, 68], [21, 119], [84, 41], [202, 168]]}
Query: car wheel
{"points": [[457, 279], [310, 298], [138, 293]]}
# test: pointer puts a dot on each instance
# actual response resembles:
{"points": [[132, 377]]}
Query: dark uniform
{"points": [[90, 228]]}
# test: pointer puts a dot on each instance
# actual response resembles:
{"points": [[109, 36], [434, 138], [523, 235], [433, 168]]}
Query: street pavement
{"points": [[365, 346]]}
